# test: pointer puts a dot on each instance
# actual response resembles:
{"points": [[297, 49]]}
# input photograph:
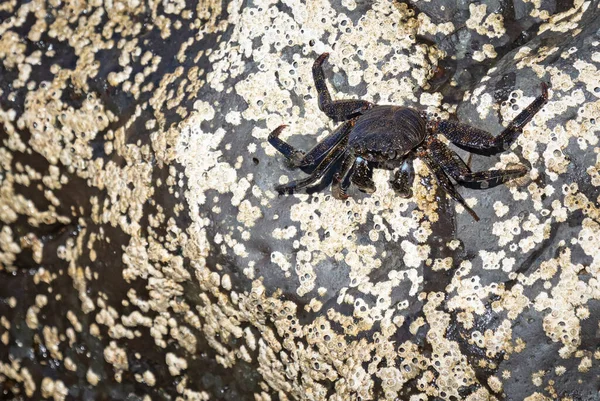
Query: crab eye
{"points": [[391, 154]]}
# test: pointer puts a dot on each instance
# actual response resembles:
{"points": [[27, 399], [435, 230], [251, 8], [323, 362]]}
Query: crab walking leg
{"points": [[470, 137], [338, 110], [453, 165], [444, 181], [403, 179], [324, 166], [308, 162], [340, 179], [283, 147]]}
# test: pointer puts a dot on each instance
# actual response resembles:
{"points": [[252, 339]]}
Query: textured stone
{"points": [[146, 255]]}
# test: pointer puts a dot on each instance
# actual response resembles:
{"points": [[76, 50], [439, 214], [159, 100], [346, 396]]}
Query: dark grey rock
{"points": [[145, 252]]}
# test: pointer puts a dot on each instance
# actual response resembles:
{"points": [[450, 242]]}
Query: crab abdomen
{"points": [[385, 132]]}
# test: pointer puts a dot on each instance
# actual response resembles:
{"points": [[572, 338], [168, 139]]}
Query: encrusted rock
{"points": [[146, 255]]}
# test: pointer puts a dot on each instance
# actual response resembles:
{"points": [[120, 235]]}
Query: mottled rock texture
{"points": [[146, 256]]}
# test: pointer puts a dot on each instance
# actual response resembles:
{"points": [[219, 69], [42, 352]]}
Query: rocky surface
{"points": [[146, 256]]}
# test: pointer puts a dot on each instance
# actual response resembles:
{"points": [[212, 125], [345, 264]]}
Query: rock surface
{"points": [[146, 256]]}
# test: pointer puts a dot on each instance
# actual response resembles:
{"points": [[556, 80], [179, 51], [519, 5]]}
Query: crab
{"points": [[391, 137]]}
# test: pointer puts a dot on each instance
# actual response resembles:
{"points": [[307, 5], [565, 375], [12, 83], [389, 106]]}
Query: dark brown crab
{"points": [[391, 137]]}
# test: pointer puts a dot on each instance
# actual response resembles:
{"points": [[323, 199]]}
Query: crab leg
{"points": [[338, 110], [308, 162], [444, 181], [469, 137], [340, 179], [457, 169], [356, 170], [324, 166]]}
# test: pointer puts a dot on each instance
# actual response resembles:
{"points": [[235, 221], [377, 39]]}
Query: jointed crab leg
{"points": [[308, 162], [283, 147], [444, 181], [340, 179], [453, 165], [324, 166], [469, 137], [338, 110]]}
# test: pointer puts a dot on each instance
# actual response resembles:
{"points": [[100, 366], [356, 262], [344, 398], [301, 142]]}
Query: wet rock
{"points": [[484, 32], [145, 252]]}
